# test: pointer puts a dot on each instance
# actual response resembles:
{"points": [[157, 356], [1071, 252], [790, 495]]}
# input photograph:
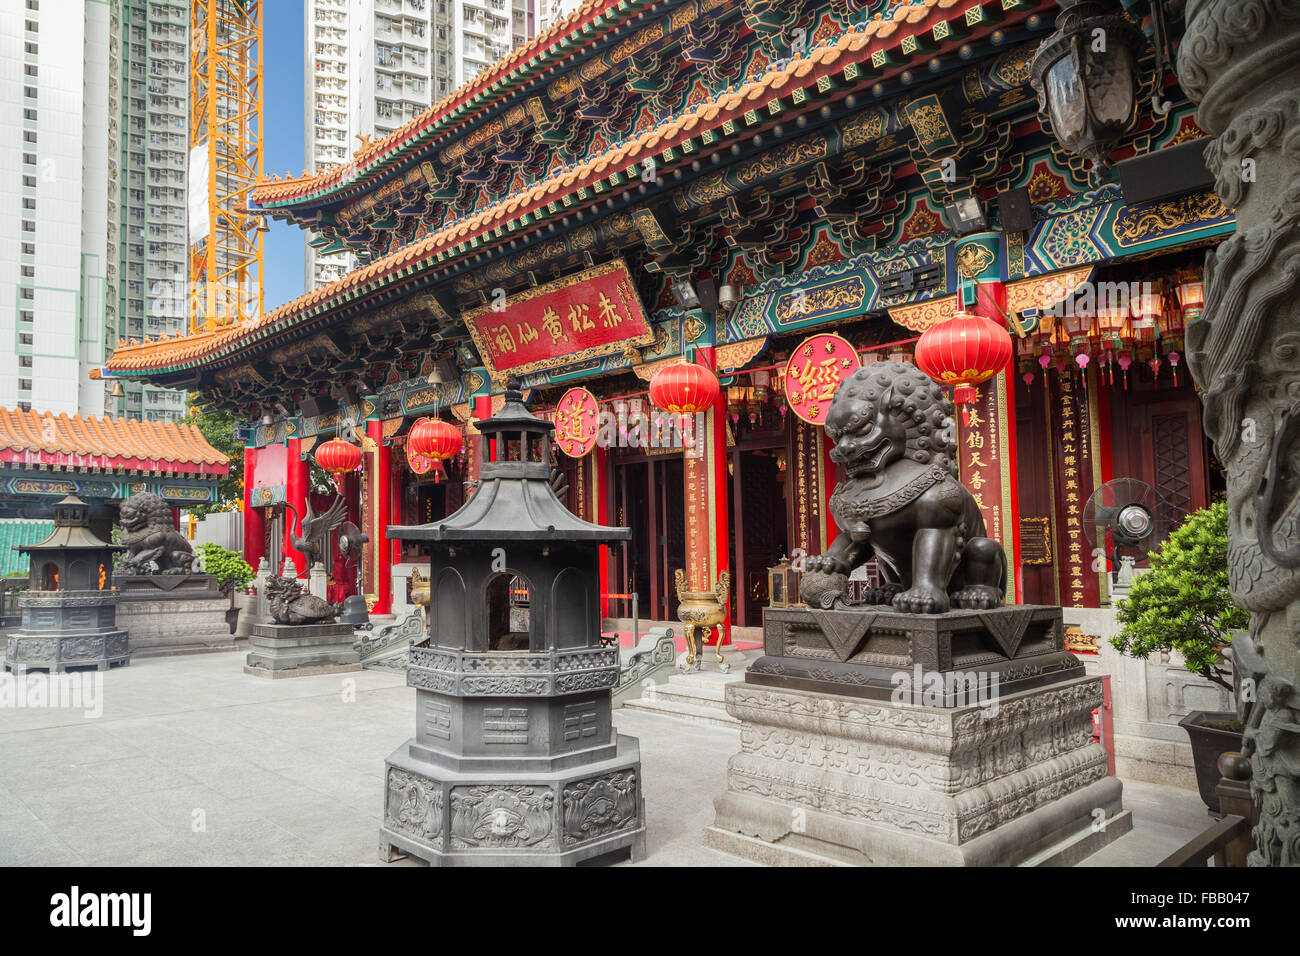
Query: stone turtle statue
{"points": [[899, 499], [153, 545], [290, 604]]}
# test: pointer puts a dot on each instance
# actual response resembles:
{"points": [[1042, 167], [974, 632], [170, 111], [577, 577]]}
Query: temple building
{"points": [[103, 461], [777, 191]]}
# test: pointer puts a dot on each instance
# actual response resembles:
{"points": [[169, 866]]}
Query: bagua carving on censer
{"points": [[900, 501]]}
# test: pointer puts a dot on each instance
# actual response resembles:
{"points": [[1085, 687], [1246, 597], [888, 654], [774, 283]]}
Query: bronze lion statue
{"points": [[150, 538], [898, 499]]}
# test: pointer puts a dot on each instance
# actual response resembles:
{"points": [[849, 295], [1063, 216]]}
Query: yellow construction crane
{"points": [[225, 161]]}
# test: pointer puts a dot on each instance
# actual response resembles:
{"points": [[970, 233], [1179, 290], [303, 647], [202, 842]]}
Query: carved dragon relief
{"points": [[1244, 353]]}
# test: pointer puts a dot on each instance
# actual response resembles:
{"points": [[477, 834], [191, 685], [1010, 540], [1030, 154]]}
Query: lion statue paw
{"points": [[821, 589]]}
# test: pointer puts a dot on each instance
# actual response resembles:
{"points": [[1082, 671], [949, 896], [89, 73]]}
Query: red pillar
{"points": [[599, 484], [296, 495], [383, 502], [396, 489], [254, 518], [715, 535]]}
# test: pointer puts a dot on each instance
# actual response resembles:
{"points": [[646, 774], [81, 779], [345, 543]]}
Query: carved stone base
{"points": [[60, 652], [301, 650], [502, 818], [834, 779], [174, 614]]}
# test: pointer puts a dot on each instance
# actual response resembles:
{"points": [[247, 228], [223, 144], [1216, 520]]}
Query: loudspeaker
{"points": [[1166, 172], [1015, 210], [706, 290]]}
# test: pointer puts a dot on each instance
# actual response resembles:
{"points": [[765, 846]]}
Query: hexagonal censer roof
{"points": [[514, 500]]}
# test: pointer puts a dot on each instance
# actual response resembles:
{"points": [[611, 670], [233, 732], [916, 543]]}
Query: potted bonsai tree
{"points": [[1182, 603], [232, 573]]}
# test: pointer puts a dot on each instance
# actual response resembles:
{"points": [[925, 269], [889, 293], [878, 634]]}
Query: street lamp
{"points": [[1085, 75]]}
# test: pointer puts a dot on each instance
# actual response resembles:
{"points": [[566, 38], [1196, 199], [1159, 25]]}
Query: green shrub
{"points": [[1183, 603], [231, 569]]}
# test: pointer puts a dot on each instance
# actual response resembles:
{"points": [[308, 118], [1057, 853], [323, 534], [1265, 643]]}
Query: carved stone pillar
{"points": [[1240, 61]]}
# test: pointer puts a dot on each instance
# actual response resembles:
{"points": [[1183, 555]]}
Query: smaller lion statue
{"points": [[290, 604], [899, 500], [153, 545]]}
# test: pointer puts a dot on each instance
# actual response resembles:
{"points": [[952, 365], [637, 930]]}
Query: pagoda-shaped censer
{"points": [[70, 605], [515, 759]]}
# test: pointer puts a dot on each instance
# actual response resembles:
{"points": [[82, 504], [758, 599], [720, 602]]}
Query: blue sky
{"points": [[282, 141]]}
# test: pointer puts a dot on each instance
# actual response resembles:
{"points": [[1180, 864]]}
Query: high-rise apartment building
{"points": [[148, 93], [373, 65], [53, 209], [551, 12]]}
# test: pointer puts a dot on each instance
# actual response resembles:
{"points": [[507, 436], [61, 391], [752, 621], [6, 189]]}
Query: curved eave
{"points": [[511, 509]]}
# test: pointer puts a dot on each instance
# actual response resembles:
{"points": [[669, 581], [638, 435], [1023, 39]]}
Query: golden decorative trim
{"points": [[738, 354], [920, 316], [1045, 291]]}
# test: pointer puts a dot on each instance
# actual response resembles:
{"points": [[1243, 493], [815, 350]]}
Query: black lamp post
{"points": [[1086, 78]]}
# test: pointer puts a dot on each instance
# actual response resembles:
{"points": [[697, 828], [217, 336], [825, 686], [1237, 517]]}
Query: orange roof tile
{"points": [[41, 437]]}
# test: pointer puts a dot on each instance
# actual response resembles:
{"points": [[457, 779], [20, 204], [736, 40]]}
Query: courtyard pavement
{"points": [[193, 762]]}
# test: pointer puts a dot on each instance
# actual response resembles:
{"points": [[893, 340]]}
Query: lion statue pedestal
{"points": [[167, 608]]}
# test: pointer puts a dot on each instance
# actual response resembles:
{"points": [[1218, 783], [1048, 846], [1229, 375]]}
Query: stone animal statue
{"points": [[289, 604], [153, 545], [314, 529], [900, 501]]}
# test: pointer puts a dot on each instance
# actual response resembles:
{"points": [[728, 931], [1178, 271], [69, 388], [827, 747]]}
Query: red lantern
{"points": [[684, 388], [434, 438], [963, 352], [338, 457]]}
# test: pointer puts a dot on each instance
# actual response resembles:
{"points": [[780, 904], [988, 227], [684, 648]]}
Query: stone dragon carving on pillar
{"points": [[1240, 61]]}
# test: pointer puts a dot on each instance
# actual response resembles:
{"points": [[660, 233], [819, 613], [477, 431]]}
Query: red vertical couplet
{"points": [[254, 518], [708, 553], [1072, 427], [295, 494], [986, 435], [383, 510], [805, 447]]}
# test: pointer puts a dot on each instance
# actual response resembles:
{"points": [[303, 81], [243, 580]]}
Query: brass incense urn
{"points": [[700, 612]]}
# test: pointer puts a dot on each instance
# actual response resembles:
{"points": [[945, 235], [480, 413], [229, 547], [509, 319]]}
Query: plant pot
{"points": [[1207, 744]]}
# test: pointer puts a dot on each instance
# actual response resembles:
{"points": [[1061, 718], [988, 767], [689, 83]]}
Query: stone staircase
{"points": [[698, 697]]}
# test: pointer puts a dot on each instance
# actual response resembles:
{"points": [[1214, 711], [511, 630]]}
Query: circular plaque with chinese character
{"points": [[815, 371], [419, 464], [577, 420]]}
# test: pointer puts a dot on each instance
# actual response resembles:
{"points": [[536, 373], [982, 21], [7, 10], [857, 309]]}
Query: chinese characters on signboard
{"points": [[814, 372], [577, 421], [581, 317], [1073, 429]]}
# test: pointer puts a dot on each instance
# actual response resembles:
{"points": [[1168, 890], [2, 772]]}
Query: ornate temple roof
{"points": [[516, 67], [852, 54], [43, 439]]}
